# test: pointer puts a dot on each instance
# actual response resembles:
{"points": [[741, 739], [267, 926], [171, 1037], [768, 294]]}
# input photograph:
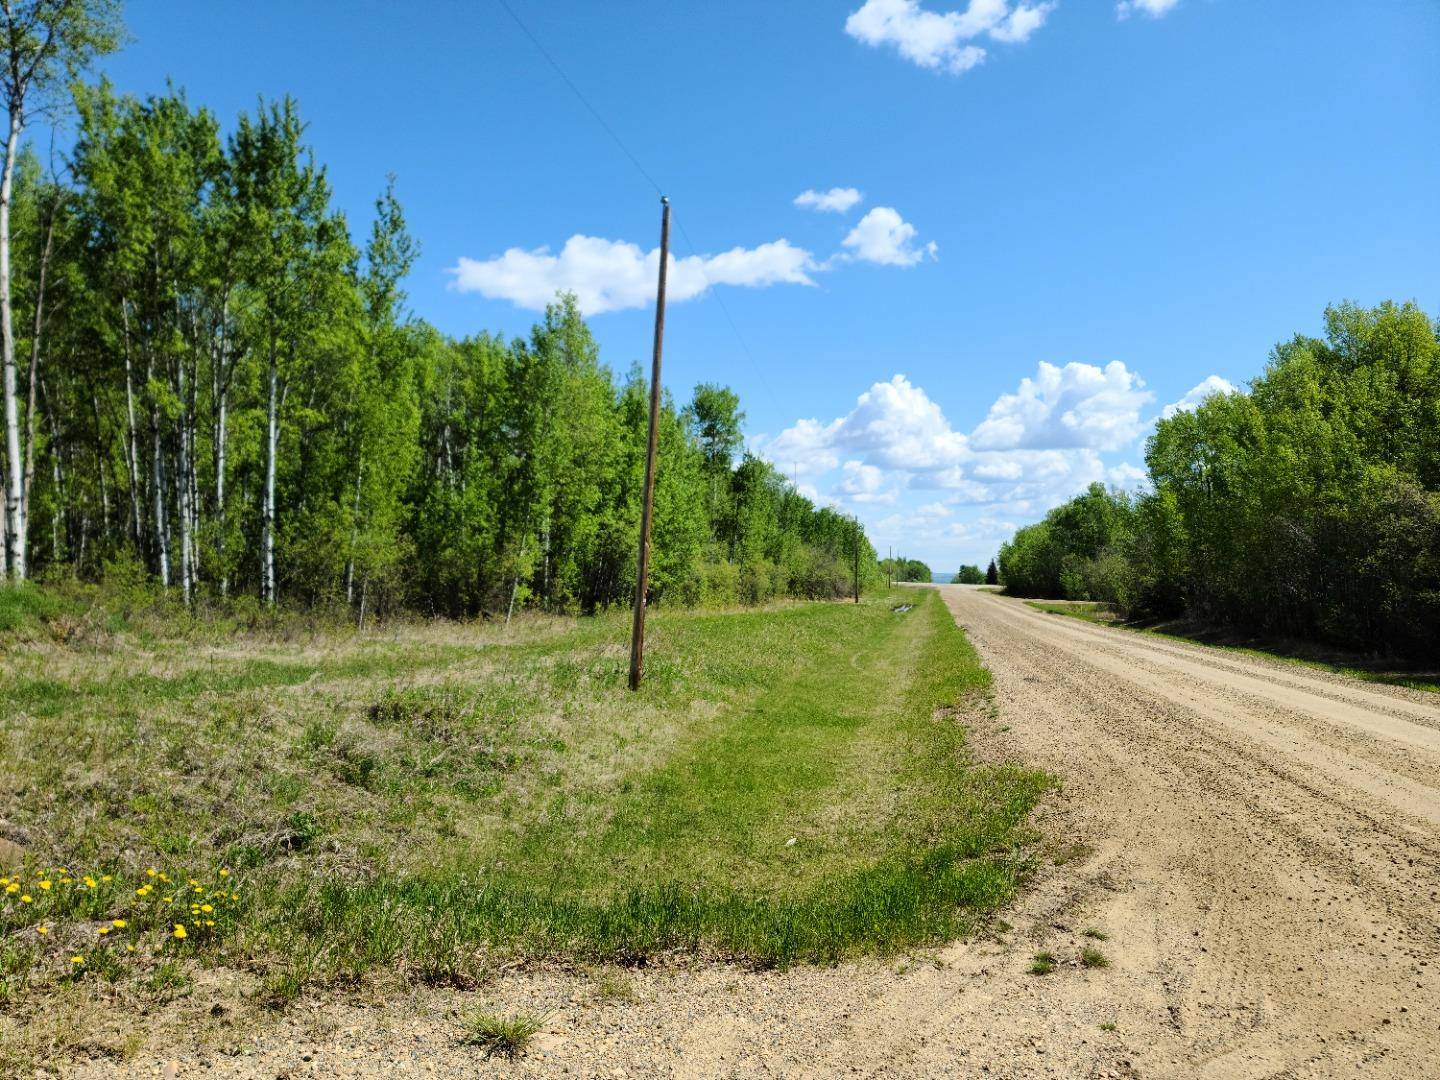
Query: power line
{"points": [[725, 310], [679, 221], [581, 97]]}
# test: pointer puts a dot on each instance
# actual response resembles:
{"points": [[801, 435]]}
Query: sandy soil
{"points": [[1261, 848]]}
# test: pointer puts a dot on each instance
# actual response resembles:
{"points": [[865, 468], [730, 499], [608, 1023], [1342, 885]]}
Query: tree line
{"points": [[903, 569], [1307, 507], [211, 381]]}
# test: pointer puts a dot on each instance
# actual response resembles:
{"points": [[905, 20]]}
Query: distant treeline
{"points": [[972, 575], [219, 386], [1308, 507], [905, 570]]}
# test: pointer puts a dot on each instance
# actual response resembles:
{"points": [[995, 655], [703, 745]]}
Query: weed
{"points": [[1092, 957], [1043, 963], [614, 984], [1096, 935], [168, 981], [506, 1036], [1109, 1025]]}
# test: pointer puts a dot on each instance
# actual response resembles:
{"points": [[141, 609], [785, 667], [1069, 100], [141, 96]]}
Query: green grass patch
{"points": [[430, 801], [1091, 957], [505, 1036]]}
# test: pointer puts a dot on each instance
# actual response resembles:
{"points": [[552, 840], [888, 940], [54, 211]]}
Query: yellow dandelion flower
{"points": [[180, 931], [77, 959], [27, 899], [89, 882], [63, 870], [103, 931], [151, 872], [169, 899], [164, 877], [224, 873], [209, 922], [192, 881], [119, 924], [107, 877], [129, 948], [42, 929], [12, 887], [46, 885], [4, 881], [234, 896], [206, 908]]}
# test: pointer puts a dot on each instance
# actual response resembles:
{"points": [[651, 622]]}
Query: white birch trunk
{"points": [[267, 520], [132, 448], [182, 487], [157, 482], [14, 482]]}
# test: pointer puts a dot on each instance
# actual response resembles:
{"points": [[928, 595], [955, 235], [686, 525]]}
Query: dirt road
{"points": [[1261, 850]]}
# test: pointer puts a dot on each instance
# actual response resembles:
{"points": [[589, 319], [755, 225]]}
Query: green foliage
{"points": [[235, 400], [792, 784], [1308, 507], [970, 575], [906, 570]]}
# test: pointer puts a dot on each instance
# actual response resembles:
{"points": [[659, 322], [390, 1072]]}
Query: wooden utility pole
{"points": [[642, 575]]}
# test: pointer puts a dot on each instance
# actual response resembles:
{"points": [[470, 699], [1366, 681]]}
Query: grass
{"points": [[1299, 653], [1091, 957], [1043, 963], [504, 1036], [430, 801], [1096, 935]]}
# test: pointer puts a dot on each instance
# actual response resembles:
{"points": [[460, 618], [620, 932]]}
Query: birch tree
{"points": [[46, 42]]}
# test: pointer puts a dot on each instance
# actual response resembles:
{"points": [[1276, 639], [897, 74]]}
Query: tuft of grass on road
{"points": [[1091, 957], [1043, 963], [505, 1036], [431, 801]]}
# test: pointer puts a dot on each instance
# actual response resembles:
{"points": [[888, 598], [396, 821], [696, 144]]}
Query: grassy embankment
{"points": [[430, 800], [1301, 653]]}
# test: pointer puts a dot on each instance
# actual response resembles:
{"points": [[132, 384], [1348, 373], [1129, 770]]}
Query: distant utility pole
{"points": [[642, 576], [890, 567]]}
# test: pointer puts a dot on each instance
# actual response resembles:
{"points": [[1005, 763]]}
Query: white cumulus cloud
{"points": [[1079, 405], [896, 425], [1126, 476], [835, 201], [944, 40], [1153, 8], [863, 483], [611, 275], [1212, 384], [883, 236]]}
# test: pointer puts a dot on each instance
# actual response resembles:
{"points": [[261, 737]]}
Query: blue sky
{"points": [[1125, 202]]}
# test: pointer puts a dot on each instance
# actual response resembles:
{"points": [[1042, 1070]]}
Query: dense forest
{"points": [[210, 381], [1307, 507]]}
